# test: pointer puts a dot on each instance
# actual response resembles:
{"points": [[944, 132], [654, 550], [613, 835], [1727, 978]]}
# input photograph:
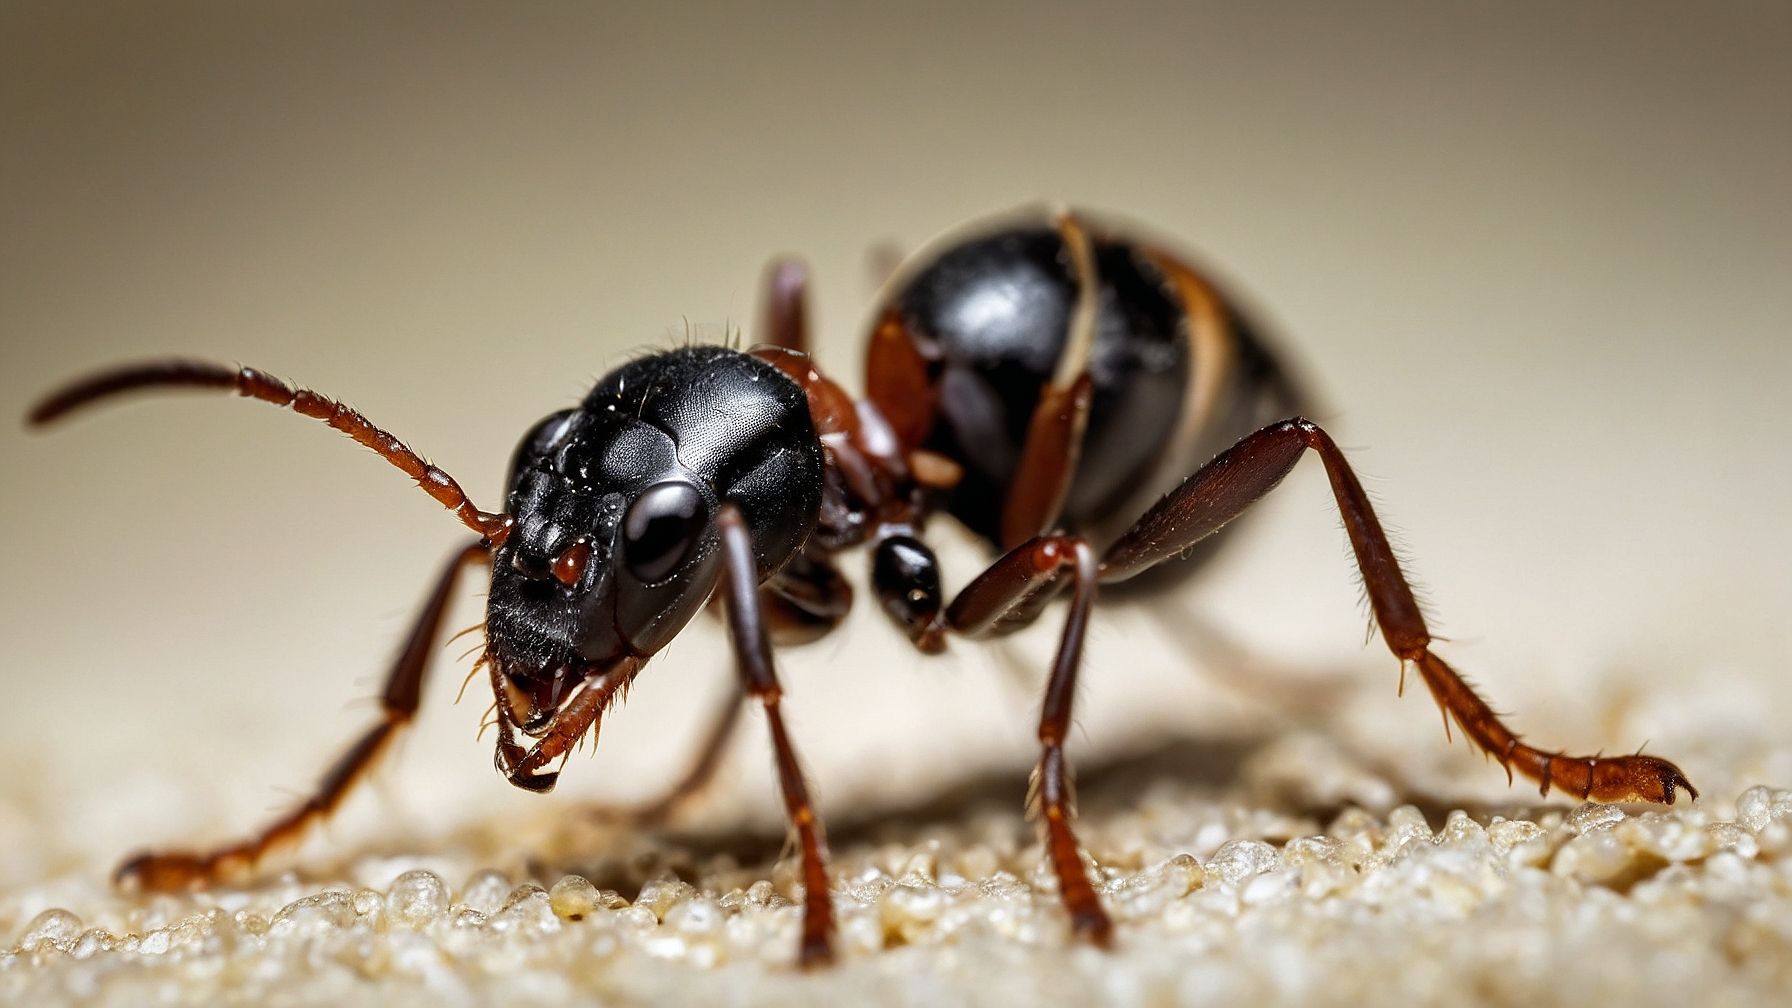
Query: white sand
{"points": [[1220, 901]]}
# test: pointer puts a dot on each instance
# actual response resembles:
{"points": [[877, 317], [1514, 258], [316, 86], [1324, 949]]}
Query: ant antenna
{"points": [[252, 384]]}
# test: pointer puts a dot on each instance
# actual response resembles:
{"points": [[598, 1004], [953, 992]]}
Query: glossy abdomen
{"points": [[1176, 375]]}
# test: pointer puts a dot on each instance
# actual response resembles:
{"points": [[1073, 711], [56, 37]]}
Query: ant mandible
{"points": [[1043, 378]]}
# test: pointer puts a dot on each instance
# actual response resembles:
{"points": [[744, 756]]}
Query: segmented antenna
{"points": [[253, 384]]}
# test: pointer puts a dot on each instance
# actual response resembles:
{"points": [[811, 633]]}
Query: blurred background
{"points": [[1537, 260]]}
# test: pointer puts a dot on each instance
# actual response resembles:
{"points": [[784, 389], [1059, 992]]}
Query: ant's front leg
{"points": [[753, 656], [1002, 599], [1239, 476], [180, 870], [799, 604]]}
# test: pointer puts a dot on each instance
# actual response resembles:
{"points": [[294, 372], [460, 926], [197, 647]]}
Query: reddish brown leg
{"points": [[404, 689], [799, 604], [1007, 596], [581, 715], [1225, 487], [786, 321], [716, 738], [898, 382], [881, 262], [1042, 478], [1292, 689], [805, 600], [1054, 442], [753, 655], [253, 384]]}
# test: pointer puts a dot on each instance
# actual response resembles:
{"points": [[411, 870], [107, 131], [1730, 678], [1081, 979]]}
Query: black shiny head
{"points": [[615, 546]]}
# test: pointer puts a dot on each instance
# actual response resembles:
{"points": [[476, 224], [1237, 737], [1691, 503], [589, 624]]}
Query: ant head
{"points": [[615, 546]]}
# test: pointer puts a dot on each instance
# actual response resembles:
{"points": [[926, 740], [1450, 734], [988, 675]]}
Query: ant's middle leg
{"points": [[1223, 488], [1005, 597], [178, 870]]}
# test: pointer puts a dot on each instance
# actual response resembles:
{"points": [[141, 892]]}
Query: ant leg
{"points": [[252, 384], [703, 770], [581, 714], [404, 688], [800, 603], [899, 381], [882, 260], [1048, 462], [1223, 488], [753, 654], [1054, 442], [1302, 691], [806, 600], [786, 319], [1004, 598]]}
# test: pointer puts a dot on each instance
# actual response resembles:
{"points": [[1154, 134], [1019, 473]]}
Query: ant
{"points": [[1047, 380]]}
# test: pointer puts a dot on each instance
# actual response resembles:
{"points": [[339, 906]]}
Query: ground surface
{"points": [[1225, 894]]}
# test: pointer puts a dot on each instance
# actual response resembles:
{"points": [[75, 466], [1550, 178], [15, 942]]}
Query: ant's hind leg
{"points": [[181, 870], [1223, 488]]}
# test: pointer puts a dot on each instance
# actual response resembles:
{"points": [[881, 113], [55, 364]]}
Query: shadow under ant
{"points": [[633, 855]]}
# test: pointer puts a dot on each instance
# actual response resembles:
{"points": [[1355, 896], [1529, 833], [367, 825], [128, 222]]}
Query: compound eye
{"points": [[661, 527]]}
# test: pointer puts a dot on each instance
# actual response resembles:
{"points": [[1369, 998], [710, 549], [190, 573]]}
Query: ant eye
{"points": [[660, 527]]}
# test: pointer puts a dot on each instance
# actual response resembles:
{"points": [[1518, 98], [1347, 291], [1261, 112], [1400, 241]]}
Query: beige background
{"points": [[1537, 258]]}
